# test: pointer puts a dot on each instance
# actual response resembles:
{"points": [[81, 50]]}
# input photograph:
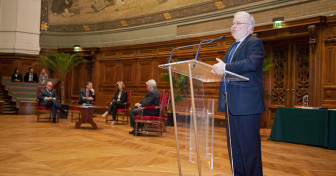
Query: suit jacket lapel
{"points": [[227, 53], [240, 47]]}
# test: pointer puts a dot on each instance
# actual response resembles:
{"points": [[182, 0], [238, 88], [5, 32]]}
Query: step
{"points": [[9, 112]]}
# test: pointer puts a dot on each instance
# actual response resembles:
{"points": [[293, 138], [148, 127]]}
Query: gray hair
{"points": [[248, 16], [151, 82]]}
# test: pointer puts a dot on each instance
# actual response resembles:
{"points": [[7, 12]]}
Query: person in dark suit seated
{"points": [[120, 97], [48, 98], [16, 76], [87, 95], [31, 76], [245, 100], [152, 98]]}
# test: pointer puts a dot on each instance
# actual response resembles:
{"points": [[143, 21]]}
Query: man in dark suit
{"points": [[245, 100], [152, 98], [48, 98], [87, 95], [31, 76]]}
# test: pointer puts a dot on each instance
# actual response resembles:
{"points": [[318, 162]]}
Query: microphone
{"points": [[203, 42], [212, 40]]}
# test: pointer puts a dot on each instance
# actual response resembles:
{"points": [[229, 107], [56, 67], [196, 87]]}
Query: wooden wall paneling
{"points": [[145, 71], [7, 67], [300, 71], [328, 77], [315, 47]]}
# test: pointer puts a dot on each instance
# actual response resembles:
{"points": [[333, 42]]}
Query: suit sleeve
{"points": [[148, 99], [252, 61], [115, 97], [41, 96], [13, 77], [93, 96], [124, 97], [26, 77]]}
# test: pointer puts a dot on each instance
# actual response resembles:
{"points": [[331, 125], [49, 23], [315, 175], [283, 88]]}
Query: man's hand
{"points": [[92, 90], [49, 98], [137, 105], [219, 67], [90, 98]]}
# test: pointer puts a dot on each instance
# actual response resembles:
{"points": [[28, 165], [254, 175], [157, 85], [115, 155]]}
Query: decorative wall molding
{"points": [[330, 40], [202, 11]]}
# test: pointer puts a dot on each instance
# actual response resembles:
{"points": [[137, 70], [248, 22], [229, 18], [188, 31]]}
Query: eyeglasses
{"points": [[238, 24]]}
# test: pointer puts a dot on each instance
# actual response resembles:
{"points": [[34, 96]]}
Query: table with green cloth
{"points": [[315, 127]]}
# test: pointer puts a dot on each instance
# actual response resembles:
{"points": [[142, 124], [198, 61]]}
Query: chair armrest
{"points": [[151, 107]]}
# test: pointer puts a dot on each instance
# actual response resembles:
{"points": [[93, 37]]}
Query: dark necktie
{"points": [[228, 60], [234, 47]]}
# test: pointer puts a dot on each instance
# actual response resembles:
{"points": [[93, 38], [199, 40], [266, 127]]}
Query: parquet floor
{"points": [[31, 148]]}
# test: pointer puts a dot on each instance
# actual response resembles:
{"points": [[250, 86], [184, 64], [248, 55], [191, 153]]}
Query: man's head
{"points": [[49, 85], [31, 70], [151, 84], [88, 85], [242, 25]]}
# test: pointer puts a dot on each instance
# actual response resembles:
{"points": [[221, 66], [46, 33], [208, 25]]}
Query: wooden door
{"points": [[288, 80]]}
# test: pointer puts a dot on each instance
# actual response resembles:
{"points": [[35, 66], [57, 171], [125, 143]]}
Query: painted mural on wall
{"points": [[96, 15]]}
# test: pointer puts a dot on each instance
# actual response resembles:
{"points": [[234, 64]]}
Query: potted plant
{"points": [[61, 64], [181, 87]]}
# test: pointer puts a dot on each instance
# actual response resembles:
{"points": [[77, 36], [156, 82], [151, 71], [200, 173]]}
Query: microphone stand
{"points": [[203, 42]]}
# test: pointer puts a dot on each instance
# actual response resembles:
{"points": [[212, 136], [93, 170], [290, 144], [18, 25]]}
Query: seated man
{"points": [[87, 95], [31, 76], [48, 98], [152, 98]]}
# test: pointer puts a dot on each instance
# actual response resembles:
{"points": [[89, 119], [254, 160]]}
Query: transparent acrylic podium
{"points": [[199, 152]]}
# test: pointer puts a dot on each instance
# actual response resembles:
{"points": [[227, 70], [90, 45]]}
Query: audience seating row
{"points": [[19, 92]]}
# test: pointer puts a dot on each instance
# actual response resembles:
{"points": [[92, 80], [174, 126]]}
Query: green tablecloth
{"points": [[305, 126]]}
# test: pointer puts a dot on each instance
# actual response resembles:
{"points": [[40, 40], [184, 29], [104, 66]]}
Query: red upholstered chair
{"points": [[156, 124], [124, 112], [42, 109], [75, 111]]}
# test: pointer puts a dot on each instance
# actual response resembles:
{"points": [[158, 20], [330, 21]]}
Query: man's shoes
{"points": [[54, 121], [131, 132]]}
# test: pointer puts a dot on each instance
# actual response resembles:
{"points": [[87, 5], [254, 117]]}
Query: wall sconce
{"points": [[278, 22], [76, 48]]}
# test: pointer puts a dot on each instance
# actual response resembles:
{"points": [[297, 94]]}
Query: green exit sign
{"points": [[277, 24]]}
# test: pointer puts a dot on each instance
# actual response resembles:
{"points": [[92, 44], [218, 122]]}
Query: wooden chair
{"points": [[75, 111], [124, 112], [151, 124], [42, 109]]}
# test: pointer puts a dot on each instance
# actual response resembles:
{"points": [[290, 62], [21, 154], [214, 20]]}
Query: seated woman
{"points": [[43, 76], [120, 97], [16, 76]]}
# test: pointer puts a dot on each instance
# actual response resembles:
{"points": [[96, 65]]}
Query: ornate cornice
{"points": [[194, 10]]}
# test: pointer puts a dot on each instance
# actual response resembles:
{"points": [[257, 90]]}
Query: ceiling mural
{"points": [[99, 15]]}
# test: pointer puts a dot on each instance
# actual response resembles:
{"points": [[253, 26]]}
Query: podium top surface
{"points": [[201, 71]]}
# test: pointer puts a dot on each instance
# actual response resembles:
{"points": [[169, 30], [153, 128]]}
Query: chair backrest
{"points": [[128, 97], [37, 94], [38, 91], [164, 102]]}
